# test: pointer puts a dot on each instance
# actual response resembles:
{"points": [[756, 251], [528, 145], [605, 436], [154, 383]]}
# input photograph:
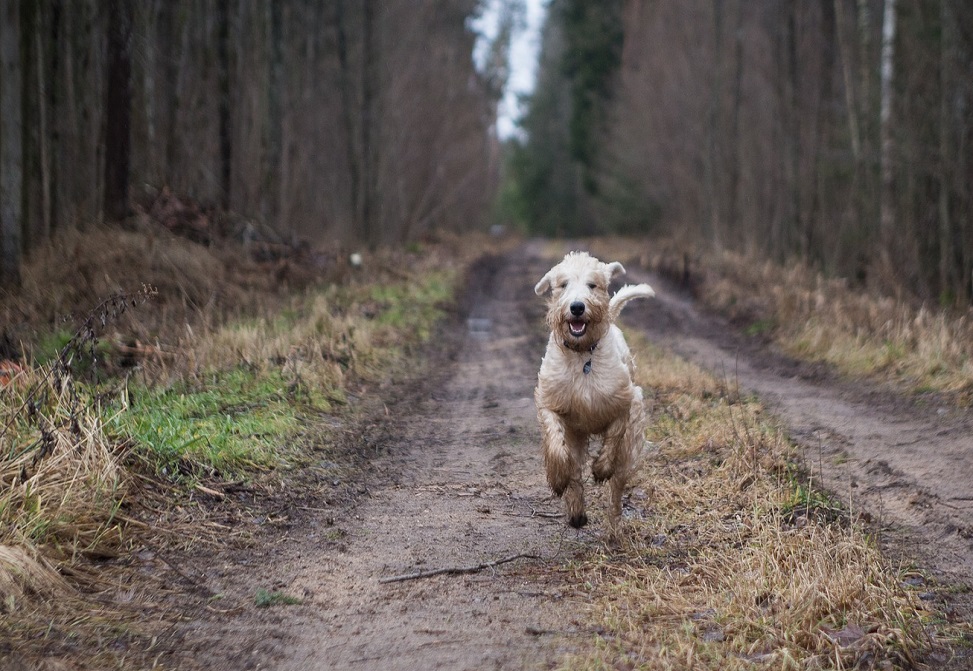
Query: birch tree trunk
{"points": [[887, 190]]}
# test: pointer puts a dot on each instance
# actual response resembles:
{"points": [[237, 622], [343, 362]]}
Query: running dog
{"points": [[584, 387]]}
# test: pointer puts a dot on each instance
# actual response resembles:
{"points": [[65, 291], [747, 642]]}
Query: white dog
{"points": [[584, 386]]}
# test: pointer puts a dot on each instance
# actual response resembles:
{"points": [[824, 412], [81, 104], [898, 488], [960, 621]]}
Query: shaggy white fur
{"points": [[584, 387]]}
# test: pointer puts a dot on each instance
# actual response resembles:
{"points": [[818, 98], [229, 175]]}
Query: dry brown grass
{"points": [[738, 565], [62, 480], [917, 346], [861, 333]]}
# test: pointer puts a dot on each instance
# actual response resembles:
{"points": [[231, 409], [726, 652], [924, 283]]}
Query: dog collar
{"points": [[587, 366], [580, 351]]}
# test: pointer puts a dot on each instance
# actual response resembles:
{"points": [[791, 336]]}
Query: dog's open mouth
{"points": [[577, 327]]}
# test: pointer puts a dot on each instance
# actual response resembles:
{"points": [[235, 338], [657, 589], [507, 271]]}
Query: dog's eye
{"points": [[563, 285], [592, 285]]}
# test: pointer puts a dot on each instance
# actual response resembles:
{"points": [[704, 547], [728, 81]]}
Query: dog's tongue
{"points": [[577, 327]]}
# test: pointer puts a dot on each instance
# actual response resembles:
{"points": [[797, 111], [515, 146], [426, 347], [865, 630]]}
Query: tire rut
{"points": [[461, 484]]}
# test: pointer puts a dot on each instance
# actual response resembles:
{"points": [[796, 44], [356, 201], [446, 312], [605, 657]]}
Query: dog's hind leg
{"points": [[606, 463], [622, 448], [614, 464], [616, 486]]}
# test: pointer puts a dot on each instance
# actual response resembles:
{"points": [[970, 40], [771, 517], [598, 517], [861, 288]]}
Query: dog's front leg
{"points": [[574, 498], [557, 454], [563, 459], [577, 443]]}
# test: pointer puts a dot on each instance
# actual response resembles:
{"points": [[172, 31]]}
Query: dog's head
{"points": [[578, 307]]}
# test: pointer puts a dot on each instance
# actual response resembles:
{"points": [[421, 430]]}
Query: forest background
{"points": [[836, 132]]}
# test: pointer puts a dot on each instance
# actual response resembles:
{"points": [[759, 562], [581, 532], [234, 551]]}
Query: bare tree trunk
{"points": [[118, 107], [788, 127], [793, 140], [812, 225], [865, 45], [733, 217], [370, 125], [53, 103], [31, 131], [711, 168], [11, 136], [174, 38], [223, 103], [348, 115], [271, 195], [887, 191], [947, 278], [854, 134], [43, 133]]}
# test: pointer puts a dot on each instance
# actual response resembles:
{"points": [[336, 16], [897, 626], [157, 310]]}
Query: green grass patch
{"points": [[265, 375], [265, 599], [413, 307], [236, 421], [761, 327]]}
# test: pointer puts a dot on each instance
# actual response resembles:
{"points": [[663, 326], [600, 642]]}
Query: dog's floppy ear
{"points": [[543, 285], [614, 268]]}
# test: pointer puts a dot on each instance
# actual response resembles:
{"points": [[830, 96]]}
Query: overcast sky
{"points": [[523, 59]]}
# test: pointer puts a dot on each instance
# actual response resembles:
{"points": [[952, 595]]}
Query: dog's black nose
{"points": [[577, 308]]}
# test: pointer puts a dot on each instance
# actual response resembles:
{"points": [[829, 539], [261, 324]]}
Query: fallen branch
{"points": [[456, 570]]}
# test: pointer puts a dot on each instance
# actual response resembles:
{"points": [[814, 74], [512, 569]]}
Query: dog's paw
{"points": [[578, 521], [558, 485], [602, 469]]}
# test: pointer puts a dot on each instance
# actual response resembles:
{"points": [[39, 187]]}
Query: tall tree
{"points": [[887, 192], [275, 112], [11, 157], [592, 54], [223, 104], [118, 109], [370, 124]]}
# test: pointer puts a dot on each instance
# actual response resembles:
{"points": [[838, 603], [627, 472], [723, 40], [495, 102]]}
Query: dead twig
{"points": [[456, 570]]}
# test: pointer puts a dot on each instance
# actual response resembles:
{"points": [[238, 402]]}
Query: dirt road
{"points": [[454, 480]]}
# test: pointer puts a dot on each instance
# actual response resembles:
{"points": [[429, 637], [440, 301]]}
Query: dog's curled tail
{"points": [[625, 294]]}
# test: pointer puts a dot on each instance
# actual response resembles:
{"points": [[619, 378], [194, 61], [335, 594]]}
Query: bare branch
{"points": [[456, 570]]}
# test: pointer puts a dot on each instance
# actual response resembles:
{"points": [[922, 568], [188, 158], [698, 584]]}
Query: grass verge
{"points": [[739, 563], [96, 468], [237, 396]]}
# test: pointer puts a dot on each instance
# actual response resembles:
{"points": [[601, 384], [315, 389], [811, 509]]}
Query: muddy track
{"points": [[453, 479]]}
